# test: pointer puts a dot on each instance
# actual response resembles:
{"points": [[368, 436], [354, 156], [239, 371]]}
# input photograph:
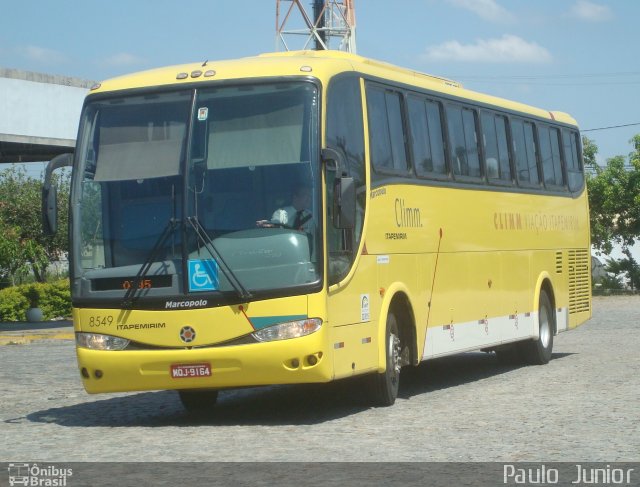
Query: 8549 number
{"points": [[97, 321]]}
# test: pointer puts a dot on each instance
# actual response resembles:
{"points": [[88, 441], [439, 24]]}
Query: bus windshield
{"points": [[199, 191]]}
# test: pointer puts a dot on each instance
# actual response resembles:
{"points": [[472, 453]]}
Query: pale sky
{"points": [[577, 56]]}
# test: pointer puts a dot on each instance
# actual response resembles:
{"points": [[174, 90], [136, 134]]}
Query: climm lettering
{"points": [[507, 221], [405, 216]]}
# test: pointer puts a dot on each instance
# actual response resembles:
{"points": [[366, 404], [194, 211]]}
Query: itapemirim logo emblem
{"points": [[187, 334], [34, 475]]}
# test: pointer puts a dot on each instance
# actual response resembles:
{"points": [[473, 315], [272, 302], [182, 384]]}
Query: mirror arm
{"points": [[50, 193], [61, 160], [331, 159]]}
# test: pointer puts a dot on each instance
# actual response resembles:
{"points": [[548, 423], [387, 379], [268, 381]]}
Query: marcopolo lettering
{"points": [[199, 303]]}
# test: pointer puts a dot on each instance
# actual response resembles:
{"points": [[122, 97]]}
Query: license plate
{"points": [[186, 371]]}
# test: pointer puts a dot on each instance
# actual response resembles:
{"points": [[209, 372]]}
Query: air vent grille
{"points": [[579, 281], [559, 262]]}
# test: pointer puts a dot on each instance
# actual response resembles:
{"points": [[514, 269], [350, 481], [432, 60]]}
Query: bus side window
{"points": [[426, 136], [463, 141], [496, 148], [572, 159], [524, 148], [550, 156], [386, 131]]}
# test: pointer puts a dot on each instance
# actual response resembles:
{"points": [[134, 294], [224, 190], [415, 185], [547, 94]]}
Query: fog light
{"points": [[312, 360]]}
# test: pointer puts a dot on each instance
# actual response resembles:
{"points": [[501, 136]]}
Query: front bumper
{"points": [[298, 360]]}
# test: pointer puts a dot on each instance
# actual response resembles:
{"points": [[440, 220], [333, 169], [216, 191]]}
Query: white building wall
{"points": [[42, 106]]}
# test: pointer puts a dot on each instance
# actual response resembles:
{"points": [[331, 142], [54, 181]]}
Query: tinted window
{"points": [[524, 148], [379, 141], [550, 156], [396, 130], [572, 158], [386, 130], [345, 131], [345, 134], [426, 131], [463, 141], [496, 149]]}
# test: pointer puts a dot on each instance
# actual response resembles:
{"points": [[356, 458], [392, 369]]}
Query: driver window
{"points": [[345, 134]]}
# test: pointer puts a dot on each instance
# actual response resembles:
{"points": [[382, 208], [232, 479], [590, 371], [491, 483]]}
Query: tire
{"points": [[384, 386], [198, 401], [538, 351]]}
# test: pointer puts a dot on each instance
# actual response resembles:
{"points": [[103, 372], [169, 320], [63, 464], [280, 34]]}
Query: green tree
{"points": [[589, 151], [614, 198], [626, 267], [611, 283], [12, 260], [23, 244]]}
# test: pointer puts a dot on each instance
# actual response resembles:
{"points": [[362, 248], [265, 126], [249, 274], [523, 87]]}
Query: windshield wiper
{"points": [[202, 235], [135, 289]]}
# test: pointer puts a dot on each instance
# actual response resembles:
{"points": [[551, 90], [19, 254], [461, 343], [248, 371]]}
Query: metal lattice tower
{"points": [[332, 20]]}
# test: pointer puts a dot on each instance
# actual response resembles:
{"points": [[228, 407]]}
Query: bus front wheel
{"points": [[384, 386], [198, 401], [538, 351]]}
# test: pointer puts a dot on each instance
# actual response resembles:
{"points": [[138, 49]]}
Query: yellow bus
{"points": [[310, 216]]}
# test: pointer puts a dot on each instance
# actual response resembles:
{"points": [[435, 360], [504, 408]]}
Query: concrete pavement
{"points": [[20, 333]]}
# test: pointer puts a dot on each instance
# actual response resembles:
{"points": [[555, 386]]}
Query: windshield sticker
{"points": [[203, 275], [203, 114]]}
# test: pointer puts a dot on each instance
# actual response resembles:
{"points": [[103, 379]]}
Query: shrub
{"points": [[53, 298], [13, 304]]}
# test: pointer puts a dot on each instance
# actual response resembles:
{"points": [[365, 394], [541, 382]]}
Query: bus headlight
{"points": [[287, 330], [95, 341]]}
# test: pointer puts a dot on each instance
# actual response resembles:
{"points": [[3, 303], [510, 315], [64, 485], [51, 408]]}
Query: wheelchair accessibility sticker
{"points": [[203, 275]]}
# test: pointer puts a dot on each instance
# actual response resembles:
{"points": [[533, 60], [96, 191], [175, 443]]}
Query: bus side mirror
{"points": [[50, 194]]}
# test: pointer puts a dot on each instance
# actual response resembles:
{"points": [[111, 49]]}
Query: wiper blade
{"points": [[202, 235], [133, 292]]}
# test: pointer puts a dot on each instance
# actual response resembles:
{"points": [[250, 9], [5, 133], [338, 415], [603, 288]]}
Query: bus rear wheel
{"points": [[198, 401], [384, 386], [538, 351]]}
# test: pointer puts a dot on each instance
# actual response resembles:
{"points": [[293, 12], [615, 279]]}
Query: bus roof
{"points": [[320, 64]]}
